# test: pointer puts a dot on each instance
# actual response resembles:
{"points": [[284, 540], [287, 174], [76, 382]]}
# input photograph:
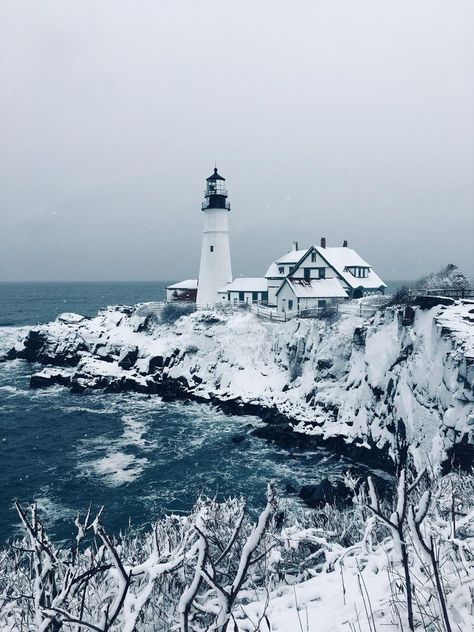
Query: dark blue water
{"points": [[133, 453], [31, 303]]}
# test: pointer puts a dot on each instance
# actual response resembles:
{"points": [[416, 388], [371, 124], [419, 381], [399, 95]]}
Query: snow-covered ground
{"points": [[405, 375]]}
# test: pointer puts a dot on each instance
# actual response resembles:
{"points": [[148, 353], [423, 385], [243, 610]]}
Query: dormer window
{"points": [[358, 272]]}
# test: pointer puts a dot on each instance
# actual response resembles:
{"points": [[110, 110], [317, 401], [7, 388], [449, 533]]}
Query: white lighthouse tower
{"points": [[215, 268]]}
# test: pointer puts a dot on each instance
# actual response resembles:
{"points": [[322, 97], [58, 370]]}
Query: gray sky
{"points": [[352, 120]]}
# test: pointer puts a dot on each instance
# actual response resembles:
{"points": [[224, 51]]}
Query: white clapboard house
{"points": [[319, 276]]}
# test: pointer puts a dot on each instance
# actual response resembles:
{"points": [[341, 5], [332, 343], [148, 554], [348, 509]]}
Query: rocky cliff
{"points": [[404, 378]]}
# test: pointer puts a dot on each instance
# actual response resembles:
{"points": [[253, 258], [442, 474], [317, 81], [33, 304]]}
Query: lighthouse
{"points": [[215, 268]]}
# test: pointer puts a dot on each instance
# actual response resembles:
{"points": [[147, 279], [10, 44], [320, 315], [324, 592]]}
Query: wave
{"points": [[134, 431], [13, 390], [118, 468]]}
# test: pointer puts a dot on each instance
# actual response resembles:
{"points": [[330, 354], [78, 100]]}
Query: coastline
{"points": [[126, 348]]}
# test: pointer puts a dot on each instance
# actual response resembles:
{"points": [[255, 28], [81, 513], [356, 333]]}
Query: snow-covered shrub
{"points": [[448, 277], [189, 573], [208, 318], [405, 564], [401, 296], [172, 311], [329, 313]]}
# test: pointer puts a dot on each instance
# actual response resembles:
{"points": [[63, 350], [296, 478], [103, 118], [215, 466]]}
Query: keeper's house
{"points": [[319, 276]]}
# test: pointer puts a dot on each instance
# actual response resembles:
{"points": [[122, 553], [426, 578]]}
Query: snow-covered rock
{"points": [[403, 378]]}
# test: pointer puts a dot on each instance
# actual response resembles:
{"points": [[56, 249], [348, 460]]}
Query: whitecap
{"points": [[13, 390], [118, 468], [52, 511], [133, 432]]}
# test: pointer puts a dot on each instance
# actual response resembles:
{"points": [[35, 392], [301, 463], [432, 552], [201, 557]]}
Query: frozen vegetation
{"points": [[400, 564]]}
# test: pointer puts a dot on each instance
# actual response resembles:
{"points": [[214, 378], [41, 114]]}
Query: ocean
{"points": [[134, 454]]}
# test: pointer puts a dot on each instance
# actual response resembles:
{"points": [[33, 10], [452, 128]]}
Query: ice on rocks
{"points": [[358, 380]]}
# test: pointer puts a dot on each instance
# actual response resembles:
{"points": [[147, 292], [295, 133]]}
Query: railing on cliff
{"points": [[448, 292], [271, 314]]}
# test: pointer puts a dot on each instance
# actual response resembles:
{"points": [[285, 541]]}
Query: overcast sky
{"points": [[350, 120]]}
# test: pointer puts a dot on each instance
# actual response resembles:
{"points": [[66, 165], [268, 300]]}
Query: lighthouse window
{"points": [[211, 248]]}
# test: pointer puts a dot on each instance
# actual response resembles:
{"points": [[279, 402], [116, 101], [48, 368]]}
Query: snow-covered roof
{"points": [[246, 284], [289, 258], [317, 288], [341, 258], [273, 271], [292, 257], [189, 284]]}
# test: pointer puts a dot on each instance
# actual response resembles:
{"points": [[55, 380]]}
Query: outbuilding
{"points": [[244, 290], [182, 291]]}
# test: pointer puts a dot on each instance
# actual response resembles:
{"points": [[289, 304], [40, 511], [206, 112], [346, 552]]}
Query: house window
{"points": [[322, 303], [321, 273], [281, 270], [241, 296], [211, 248], [290, 305], [313, 257], [265, 296], [307, 273], [254, 296]]}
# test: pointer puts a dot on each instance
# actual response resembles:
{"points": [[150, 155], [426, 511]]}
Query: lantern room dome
{"points": [[215, 176]]}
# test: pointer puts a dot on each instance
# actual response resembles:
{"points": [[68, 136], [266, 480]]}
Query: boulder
{"points": [[156, 362], [128, 356], [427, 302], [324, 363], [48, 377], [70, 318], [358, 337], [238, 438], [32, 345], [408, 316], [105, 352], [325, 492]]}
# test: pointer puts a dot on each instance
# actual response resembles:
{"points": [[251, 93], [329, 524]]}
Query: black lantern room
{"points": [[215, 193]]}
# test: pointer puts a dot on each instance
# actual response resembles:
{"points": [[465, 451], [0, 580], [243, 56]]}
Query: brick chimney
{"points": [[323, 242], [344, 243], [294, 245]]}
